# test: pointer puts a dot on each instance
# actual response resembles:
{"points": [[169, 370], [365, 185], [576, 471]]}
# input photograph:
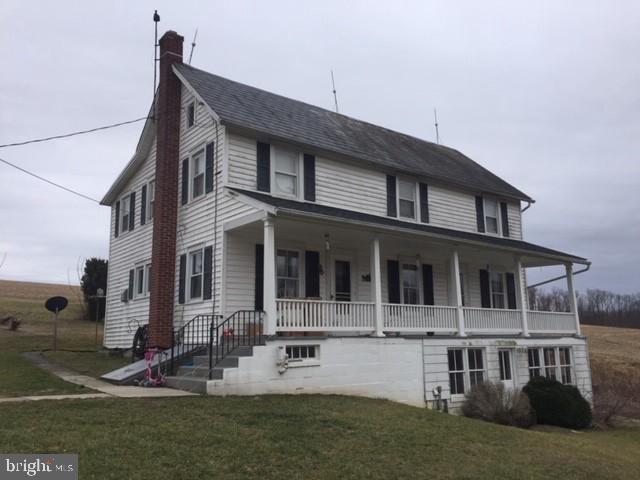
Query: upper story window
{"points": [[410, 284], [151, 198], [191, 114], [286, 169], [125, 207], [491, 215], [287, 272], [195, 274], [197, 174], [497, 290], [407, 199]]}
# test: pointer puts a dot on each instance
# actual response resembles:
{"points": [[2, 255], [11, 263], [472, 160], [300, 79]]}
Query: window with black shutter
{"points": [[309, 177], [263, 167], [392, 208]]}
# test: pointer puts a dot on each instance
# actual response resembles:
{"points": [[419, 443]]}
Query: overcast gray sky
{"points": [[545, 94]]}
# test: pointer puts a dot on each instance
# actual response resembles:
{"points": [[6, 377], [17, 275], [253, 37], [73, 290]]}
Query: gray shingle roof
{"points": [[287, 119], [343, 214]]}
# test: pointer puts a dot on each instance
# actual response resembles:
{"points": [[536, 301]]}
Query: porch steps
{"points": [[193, 375]]}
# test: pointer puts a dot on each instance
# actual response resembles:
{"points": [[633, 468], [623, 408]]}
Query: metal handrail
{"points": [[242, 328], [192, 337]]}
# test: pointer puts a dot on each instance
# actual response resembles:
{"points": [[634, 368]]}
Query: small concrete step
{"points": [[189, 384], [195, 371]]}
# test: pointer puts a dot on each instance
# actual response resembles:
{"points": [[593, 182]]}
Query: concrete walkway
{"points": [[106, 389]]}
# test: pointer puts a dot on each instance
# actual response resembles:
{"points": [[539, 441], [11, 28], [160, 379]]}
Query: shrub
{"points": [[558, 404], [493, 402]]}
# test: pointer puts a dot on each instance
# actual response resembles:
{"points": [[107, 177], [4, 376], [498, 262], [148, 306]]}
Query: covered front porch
{"points": [[327, 276]]}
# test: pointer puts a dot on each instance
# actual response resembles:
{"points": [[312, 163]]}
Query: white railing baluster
{"points": [[551, 322]]}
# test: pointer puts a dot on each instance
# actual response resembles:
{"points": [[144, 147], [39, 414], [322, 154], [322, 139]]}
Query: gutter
{"points": [[561, 276], [529, 203]]}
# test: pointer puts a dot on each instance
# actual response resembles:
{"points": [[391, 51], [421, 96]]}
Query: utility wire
{"points": [[48, 181], [37, 140]]}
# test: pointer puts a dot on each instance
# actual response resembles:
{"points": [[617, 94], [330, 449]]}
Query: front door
{"points": [[505, 358], [343, 280]]}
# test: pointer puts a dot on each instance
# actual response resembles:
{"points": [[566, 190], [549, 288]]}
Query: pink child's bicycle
{"points": [[149, 379]]}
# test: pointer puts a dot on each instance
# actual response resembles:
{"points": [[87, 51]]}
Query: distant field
{"points": [[619, 347], [38, 291]]}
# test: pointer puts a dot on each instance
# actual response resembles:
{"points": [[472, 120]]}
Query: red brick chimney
{"points": [[165, 215]]}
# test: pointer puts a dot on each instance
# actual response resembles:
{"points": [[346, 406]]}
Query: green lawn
{"points": [[304, 437], [20, 377]]}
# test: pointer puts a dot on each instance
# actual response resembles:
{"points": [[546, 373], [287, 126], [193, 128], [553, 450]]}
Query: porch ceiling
{"points": [[532, 255]]}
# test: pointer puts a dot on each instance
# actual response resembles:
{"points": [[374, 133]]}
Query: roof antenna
{"points": [[335, 95], [435, 117], [156, 19], [193, 45]]}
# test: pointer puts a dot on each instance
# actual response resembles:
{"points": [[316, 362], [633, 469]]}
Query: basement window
{"points": [[301, 355], [191, 114], [551, 362], [466, 369]]}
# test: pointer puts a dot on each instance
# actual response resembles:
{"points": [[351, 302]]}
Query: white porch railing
{"points": [[320, 316], [419, 318], [551, 322], [492, 320]]}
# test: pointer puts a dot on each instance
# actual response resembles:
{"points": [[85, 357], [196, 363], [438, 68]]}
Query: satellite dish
{"points": [[56, 304]]}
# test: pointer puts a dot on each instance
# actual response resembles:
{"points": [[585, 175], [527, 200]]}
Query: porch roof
{"points": [[339, 214]]}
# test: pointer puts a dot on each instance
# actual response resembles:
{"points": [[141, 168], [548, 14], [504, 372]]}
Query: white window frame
{"points": [[466, 370], [298, 355], [416, 213], [192, 174], [139, 278], [503, 280], [191, 274], [498, 231], [274, 173], [402, 262], [124, 212], [151, 187], [543, 367], [298, 279], [147, 278], [191, 105]]}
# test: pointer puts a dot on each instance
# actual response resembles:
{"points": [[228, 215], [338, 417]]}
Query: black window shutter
{"points": [[511, 291], [424, 203], [132, 210], [309, 177], [485, 295], [208, 173], [480, 213], [505, 219], [117, 230], [185, 181], [182, 280], [392, 210], [130, 289], [208, 273], [312, 274], [259, 280], [393, 281], [264, 167], [143, 205], [427, 284]]}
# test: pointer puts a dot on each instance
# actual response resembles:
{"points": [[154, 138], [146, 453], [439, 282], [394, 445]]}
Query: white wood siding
{"points": [[129, 250], [346, 185]]}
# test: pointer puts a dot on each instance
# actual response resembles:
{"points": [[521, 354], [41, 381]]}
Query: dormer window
{"points": [[491, 215], [407, 199], [191, 114], [286, 178]]}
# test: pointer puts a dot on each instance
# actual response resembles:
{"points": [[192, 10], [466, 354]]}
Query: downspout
{"points": [[529, 203], [560, 277]]}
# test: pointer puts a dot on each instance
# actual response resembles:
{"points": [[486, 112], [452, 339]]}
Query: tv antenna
{"points": [[435, 118], [193, 45], [335, 95], [156, 19]]}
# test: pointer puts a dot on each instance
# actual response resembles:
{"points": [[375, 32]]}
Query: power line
{"points": [[48, 181], [81, 132]]}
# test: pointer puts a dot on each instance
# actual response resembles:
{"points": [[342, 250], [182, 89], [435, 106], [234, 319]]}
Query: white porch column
{"points": [[456, 291], [376, 286], [572, 295], [269, 297], [522, 294]]}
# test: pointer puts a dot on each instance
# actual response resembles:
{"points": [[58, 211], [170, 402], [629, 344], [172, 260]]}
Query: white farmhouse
{"points": [[284, 248]]}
